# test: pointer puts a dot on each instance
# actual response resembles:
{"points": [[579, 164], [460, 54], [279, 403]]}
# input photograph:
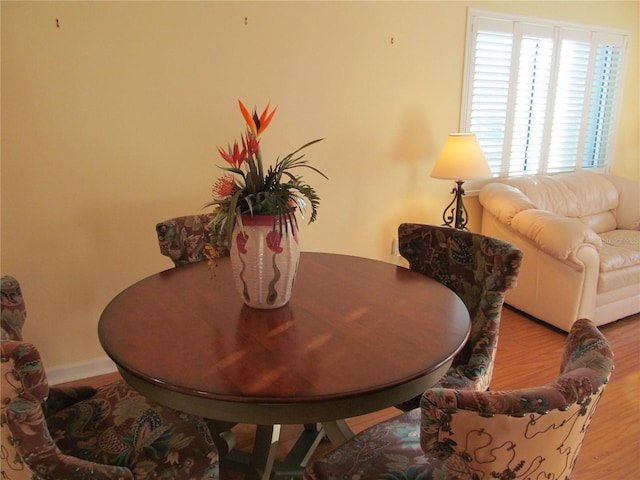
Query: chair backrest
{"points": [[29, 450], [24, 382], [184, 239], [36, 417], [479, 269], [527, 433], [24, 389], [13, 313]]}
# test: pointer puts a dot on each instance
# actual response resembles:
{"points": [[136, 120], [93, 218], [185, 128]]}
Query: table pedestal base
{"points": [[261, 463]]}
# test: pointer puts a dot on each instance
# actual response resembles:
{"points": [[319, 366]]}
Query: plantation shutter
{"points": [[606, 86], [492, 53], [533, 91], [569, 109], [541, 98]]}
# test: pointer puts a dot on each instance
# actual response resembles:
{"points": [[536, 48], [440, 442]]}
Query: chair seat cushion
{"points": [[118, 426], [389, 450]]}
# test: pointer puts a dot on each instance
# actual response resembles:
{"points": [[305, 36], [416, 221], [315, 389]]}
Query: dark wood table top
{"points": [[358, 335]]}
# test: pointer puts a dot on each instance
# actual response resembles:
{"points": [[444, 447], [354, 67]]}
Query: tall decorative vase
{"points": [[264, 260]]}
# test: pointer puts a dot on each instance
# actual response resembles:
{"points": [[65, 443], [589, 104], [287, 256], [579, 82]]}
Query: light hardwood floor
{"points": [[529, 354]]}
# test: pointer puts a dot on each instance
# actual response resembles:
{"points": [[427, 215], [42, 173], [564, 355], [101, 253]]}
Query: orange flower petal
{"points": [[248, 118], [265, 119], [264, 113]]}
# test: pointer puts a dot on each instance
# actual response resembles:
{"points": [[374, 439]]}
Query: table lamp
{"points": [[461, 158]]}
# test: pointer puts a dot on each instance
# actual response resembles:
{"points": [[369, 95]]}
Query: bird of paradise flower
{"points": [[246, 188]]}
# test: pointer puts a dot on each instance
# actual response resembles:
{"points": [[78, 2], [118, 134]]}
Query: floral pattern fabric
{"points": [[109, 433], [13, 313], [530, 434], [117, 426], [479, 269], [183, 239], [389, 450]]}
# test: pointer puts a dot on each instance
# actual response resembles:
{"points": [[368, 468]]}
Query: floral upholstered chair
{"points": [[530, 433], [184, 239], [479, 269], [108, 433]]}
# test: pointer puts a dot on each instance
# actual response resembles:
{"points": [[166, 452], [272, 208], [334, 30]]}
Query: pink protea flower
{"points": [[224, 187]]}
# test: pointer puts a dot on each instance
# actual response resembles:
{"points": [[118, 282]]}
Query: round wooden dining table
{"points": [[357, 336]]}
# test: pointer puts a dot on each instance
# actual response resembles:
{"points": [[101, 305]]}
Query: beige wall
{"points": [[110, 123]]}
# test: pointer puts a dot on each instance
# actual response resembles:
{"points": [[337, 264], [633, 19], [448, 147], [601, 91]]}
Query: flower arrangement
{"points": [[247, 188]]}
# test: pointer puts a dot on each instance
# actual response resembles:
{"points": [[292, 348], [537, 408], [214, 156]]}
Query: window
{"points": [[542, 96]]}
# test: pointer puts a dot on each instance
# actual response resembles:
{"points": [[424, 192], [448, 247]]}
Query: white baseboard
{"points": [[78, 371]]}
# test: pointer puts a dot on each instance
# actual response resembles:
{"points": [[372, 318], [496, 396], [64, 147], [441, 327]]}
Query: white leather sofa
{"points": [[580, 234]]}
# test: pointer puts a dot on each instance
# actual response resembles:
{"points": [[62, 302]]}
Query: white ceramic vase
{"points": [[264, 260]]}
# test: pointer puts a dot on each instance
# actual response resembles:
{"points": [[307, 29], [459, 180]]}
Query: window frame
{"points": [[474, 16]]}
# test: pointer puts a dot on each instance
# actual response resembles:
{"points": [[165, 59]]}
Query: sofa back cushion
{"points": [[602, 202], [547, 194], [597, 197], [600, 222]]}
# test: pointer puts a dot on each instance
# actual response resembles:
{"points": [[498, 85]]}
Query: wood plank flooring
{"points": [[529, 354]]}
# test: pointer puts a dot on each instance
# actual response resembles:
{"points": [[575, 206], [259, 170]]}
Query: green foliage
{"points": [[247, 190]]}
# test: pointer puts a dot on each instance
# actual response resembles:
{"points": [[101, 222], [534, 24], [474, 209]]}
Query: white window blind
{"points": [[542, 96]]}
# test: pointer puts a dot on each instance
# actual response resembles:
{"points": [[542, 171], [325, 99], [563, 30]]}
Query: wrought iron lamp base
{"points": [[455, 215]]}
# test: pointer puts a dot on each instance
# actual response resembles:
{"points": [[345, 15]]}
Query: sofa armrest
{"points": [[556, 235], [504, 201], [627, 212]]}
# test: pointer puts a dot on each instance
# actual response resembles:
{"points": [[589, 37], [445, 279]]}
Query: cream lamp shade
{"points": [[461, 158]]}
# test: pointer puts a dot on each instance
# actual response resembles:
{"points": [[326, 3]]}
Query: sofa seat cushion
{"points": [[120, 427], [619, 260], [621, 283], [389, 450], [620, 249]]}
